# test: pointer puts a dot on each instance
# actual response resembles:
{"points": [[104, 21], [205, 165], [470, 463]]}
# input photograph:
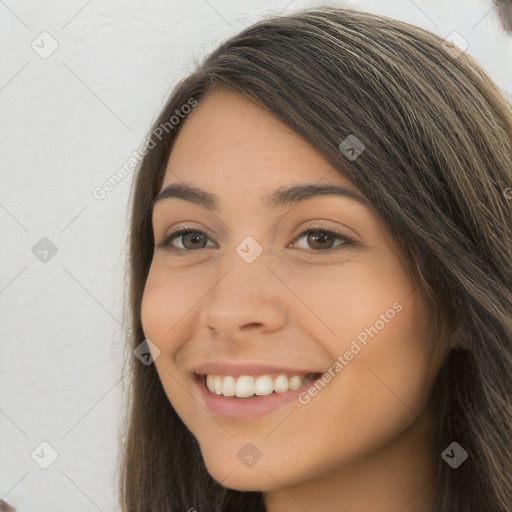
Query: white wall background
{"points": [[67, 123]]}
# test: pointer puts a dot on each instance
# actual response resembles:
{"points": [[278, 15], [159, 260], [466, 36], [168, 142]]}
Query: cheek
{"points": [[347, 299], [165, 302], [155, 307], [166, 299], [388, 381], [378, 324]]}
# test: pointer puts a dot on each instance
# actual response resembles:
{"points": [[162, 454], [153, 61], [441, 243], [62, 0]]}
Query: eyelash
{"points": [[347, 242]]}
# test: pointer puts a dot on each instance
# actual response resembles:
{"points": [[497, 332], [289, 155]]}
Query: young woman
{"points": [[321, 278]]}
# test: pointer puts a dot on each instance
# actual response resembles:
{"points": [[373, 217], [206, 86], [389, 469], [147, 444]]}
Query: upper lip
{"points": [[246, 368]]}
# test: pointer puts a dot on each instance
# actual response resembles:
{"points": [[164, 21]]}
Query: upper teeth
{"points": [[246, 386]]}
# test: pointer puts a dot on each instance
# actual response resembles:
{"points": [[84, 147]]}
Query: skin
{"points": [[365, 441]]}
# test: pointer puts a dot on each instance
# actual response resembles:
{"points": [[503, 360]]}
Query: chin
{"points": [[238, 477]]}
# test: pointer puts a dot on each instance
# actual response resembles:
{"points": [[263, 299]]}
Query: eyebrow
{"points": [[283, 196]]}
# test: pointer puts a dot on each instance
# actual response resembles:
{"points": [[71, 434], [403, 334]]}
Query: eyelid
{"points": [[347, 241], [175, 233]]}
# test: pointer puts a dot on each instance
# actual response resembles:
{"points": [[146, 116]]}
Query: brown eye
{"points": [[194, 239], [191, 240], [319, 240], [322, 240]]}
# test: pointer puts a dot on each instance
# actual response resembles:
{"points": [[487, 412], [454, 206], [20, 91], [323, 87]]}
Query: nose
{"points": [[246, 297]]}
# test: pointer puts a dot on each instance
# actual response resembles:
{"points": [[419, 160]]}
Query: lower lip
{"points": [[247, 408]]}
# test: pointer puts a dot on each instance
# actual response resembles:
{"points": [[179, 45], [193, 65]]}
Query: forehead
{"points": [[229, 140]]}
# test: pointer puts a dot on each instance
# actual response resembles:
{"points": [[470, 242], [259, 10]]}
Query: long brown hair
{"points": [[438, 169]]}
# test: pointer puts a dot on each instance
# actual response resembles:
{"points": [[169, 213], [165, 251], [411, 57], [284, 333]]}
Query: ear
{"points": [[457, 339]]}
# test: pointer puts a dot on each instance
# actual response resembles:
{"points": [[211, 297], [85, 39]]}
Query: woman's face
{"points": [[256, 298]]}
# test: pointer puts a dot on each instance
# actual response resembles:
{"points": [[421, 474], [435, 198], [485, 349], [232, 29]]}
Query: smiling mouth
{"points": [[250, 386]]}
